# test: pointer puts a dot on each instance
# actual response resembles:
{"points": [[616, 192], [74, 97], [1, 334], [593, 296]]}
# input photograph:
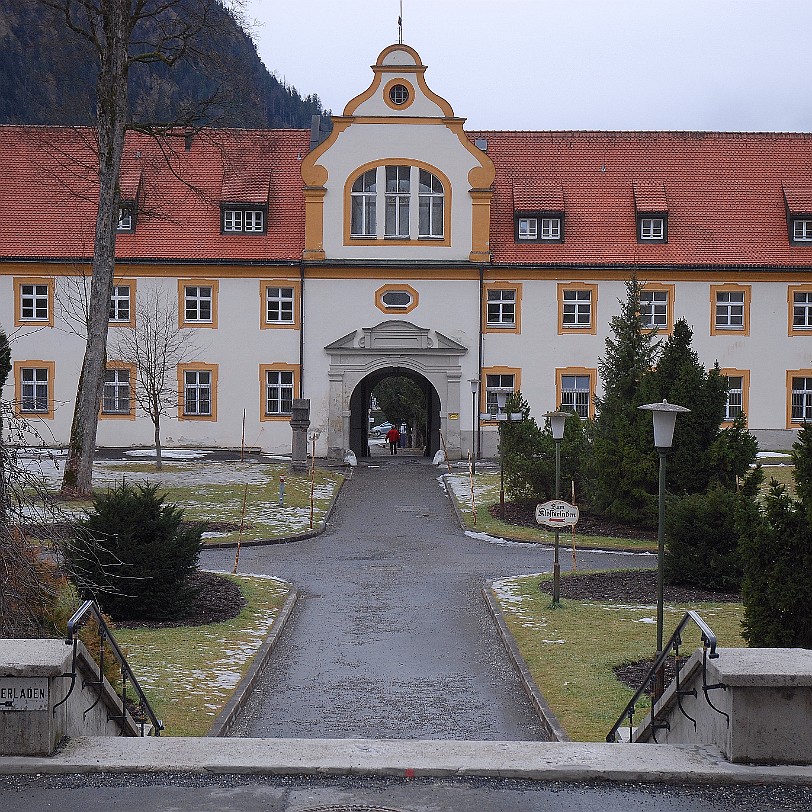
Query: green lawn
{"points": [[190, 672], [572, 650]]}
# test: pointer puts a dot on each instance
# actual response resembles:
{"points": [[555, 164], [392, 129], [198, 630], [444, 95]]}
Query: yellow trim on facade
{"points": [[276, 367], [516, 372], [133, 381], [791, 329], [382, 306], [131, 283], [733, 288], [593, 312], [516, 328], [794, 373], [388, 88], [214, 284], [19, 366], [19, 321], [669, 313], [203, 367], [264, 284], [593, 377], [744, 374]]}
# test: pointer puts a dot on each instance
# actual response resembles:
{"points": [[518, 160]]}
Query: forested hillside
{"points": [[48, 76]]}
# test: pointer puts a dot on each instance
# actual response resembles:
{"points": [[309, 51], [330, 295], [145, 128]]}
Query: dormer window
{"points": [[243, 219], [528, 228], [802, 229], [541, 227], [652, 229], [126, 217]]}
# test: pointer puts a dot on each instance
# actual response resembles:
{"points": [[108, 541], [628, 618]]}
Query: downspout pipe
{"points": [[301, 325], [477, 426]]}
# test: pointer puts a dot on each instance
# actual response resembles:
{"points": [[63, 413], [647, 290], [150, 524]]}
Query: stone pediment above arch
{"points": [[396, 337]]}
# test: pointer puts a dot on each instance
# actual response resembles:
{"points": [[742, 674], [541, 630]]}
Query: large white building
{"points": [[404, 244]]}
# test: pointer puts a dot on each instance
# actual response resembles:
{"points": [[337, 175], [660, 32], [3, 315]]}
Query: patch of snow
{"points": [[767, 454], [169, 453]]}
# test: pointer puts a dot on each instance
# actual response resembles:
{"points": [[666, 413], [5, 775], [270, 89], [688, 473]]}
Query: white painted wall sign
{"points": [[23, 693], [556, 513]]}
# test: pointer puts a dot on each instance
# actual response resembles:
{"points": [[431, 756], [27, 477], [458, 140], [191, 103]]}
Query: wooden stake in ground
{"points": [[242, 527], [242, 442], [313, 478], [572, 528], [471, 480], [445, 453]]}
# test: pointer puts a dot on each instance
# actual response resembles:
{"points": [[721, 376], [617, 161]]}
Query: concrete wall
{"points": [[38, 731], [767, 699]]}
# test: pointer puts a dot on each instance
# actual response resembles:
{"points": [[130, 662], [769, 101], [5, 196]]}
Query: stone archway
{"points": [[373, 353]]}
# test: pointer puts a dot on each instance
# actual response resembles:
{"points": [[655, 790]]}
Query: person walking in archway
{"points": [[393, 437]]}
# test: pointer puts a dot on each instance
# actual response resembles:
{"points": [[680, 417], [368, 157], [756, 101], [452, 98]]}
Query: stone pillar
{"points": [[299, 423]]}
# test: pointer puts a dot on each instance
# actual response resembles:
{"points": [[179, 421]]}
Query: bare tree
{"points": [[121, 33], [155, 347]]}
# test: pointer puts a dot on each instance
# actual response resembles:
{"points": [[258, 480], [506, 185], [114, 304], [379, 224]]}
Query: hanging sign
{"points": [[556, 513]]}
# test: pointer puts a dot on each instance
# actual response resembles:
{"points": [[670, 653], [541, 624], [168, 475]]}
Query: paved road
{"points": [[391, 637], [178, 793]]}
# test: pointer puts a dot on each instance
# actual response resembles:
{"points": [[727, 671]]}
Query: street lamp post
{"points": [[557, 427], [474, 420], [664, 416]]}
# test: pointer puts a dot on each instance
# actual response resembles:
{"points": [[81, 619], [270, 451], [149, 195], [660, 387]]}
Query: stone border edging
{"points": [[548, 719], [224, 720], [307, 534]]}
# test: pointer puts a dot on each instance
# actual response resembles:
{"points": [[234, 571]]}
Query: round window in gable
{"points": [[397, 299], [399, 94]]}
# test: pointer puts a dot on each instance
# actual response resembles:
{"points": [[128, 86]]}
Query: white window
{"points": [[34, 396], [397, 201], [802, 310], [237, 220], [126, 221], [652, 228], [116, 395], [197, 392], [198, 303], [278, 391], [279, 303], [801, 400], [730, 309], [430, 199], [735, 397], [494, 385], [802, 230], [550, 228], [397, 299], [577, 309], [501, 308], [363, 218], [575, 394], [528, 228], [654, 308], [34, 302], [120, 303]]}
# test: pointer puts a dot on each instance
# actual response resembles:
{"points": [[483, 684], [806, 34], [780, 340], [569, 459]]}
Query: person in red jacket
{"points": [[393, 436]]}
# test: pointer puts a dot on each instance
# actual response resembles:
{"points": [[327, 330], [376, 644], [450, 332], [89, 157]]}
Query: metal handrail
{"points": [[674, 642], [80, 617]]}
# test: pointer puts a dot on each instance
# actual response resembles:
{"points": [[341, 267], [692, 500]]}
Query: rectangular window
{"points": [[802, 230], [279, 386], [550, 228], [120, 303], [654, 308], [34, 302], [198, 303], [734, 405], [197, 392], [397, 201], [496, 385], [528, 228], [35, 390], [652, 228], [729, 310], [279, 303], [431, 208], [577, 309], [801, 406], [576, 394], [802, 310], [501, 308], [126, 219], [116, 394], [243, 220], [363, 205]]}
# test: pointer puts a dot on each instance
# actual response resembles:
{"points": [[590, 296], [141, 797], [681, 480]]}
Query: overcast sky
{"points": [[561, 64]]}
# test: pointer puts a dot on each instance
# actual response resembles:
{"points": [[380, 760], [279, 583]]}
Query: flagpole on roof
{"points": [[400, 24]]}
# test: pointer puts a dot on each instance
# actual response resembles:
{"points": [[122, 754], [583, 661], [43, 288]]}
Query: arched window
{"points": [[364, 192], [411, 198], [430, 202]]}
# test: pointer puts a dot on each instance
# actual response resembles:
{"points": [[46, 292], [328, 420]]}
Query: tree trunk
{"points": [[158, 461], [111, 127]]}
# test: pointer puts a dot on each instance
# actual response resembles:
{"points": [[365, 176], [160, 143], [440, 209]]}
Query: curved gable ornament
{"points": [[395, 337]]}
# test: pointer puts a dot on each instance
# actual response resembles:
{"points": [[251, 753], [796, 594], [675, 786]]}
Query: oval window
{"points": [[399, 94], [397, 298]]}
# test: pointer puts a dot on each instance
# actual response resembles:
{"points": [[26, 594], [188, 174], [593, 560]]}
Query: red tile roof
{"points": [[541, 196], [48, 193], [799, 201], [725, 195], [649, 197]]}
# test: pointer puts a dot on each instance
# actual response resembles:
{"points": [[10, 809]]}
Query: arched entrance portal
{"points": [[363, 358], [359, 409]]}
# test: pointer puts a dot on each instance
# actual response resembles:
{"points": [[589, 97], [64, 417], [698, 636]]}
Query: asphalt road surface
{"points": [[391, 637]]}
